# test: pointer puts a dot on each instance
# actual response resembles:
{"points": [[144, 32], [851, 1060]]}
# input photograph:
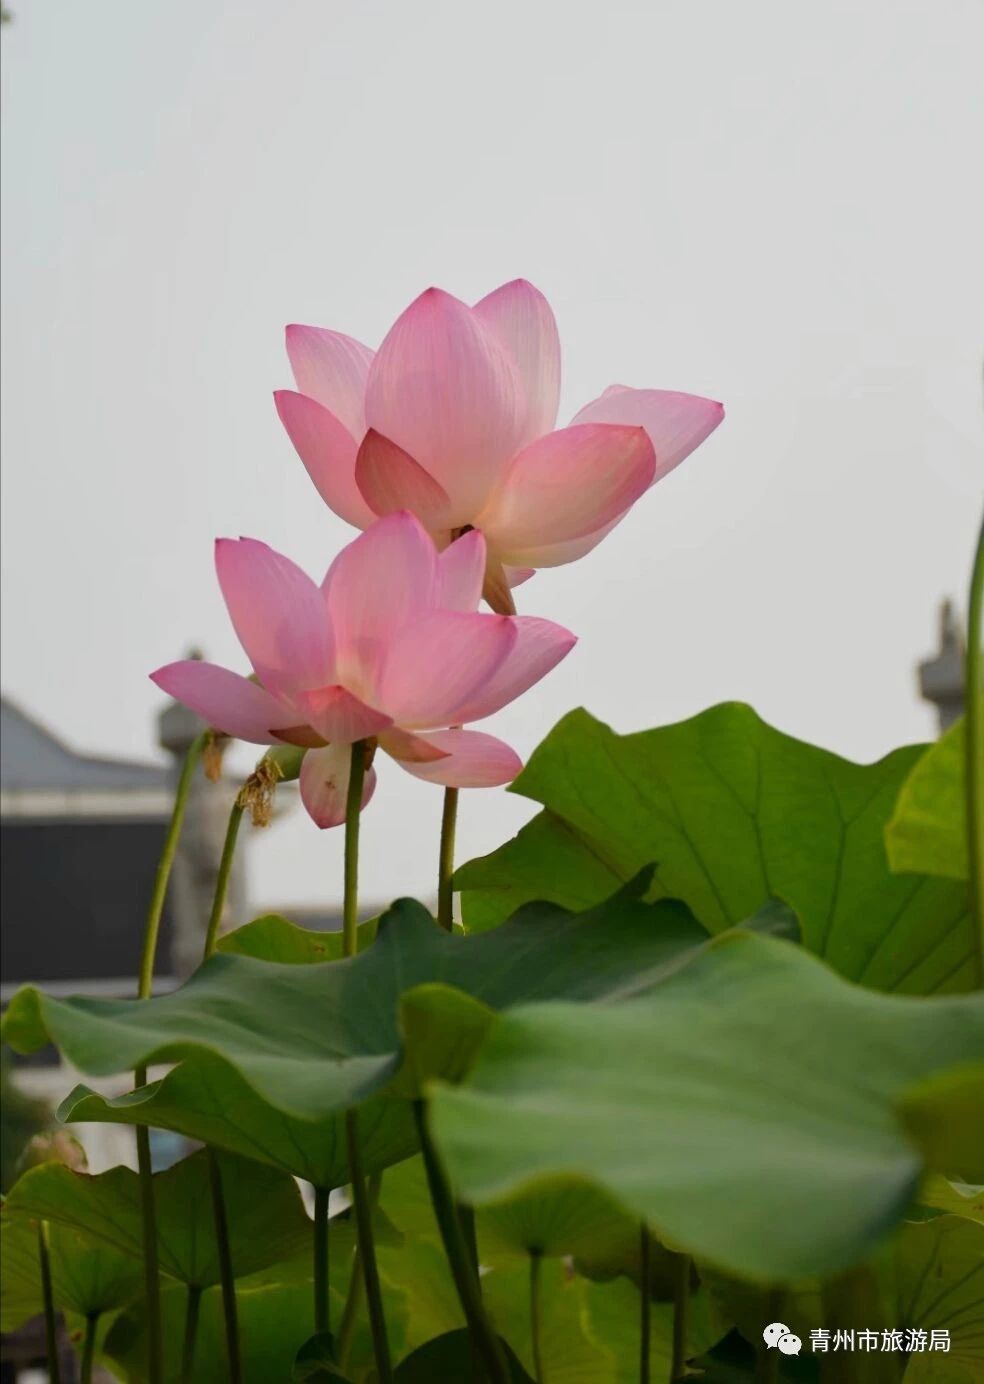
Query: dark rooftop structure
{"points": [[79, 838], [33, 760]]}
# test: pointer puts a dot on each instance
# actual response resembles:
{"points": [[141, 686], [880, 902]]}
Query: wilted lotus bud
{"points": [[212, 754], [53, 1146]]}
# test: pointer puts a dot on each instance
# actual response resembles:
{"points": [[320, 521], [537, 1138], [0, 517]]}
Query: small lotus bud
{"points": [[287, 758]]}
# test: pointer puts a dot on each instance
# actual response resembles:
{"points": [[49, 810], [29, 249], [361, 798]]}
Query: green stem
{"points": [[353, 813], [975, 746], [192, 1304], [681, 1316], [222, 882], [367, 1252], [50, 1322], [152, 1276], [152, 927], [536, 1315], [89, 1348], [356, 1289], [322, 1306], [445, 894], [350, 1312], [466, 1219], [485, 1341], [360, 1196], [766, 1359], [226, 1275], [851, 1300], [645, 1305]]}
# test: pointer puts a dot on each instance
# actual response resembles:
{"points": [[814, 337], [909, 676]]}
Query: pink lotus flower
{"points": [[390, 648], [453, 419]]}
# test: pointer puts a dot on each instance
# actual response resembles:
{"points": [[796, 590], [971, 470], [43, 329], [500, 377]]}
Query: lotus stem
{"points": [[767, 1360], [466, 1218], [353, 813], [975, 747], [50, 1323], [192, 1305], [350, 1312], [681, 1316], [360, 1196], [322, 1306], [645, 1306], [222, 882], [445, 894], [230, 1311], [356, 1288], [536, 1314], [152, 928], [227, 1276], [367, 1252], [152, 1275], [484, 1339], [88, 1347]]}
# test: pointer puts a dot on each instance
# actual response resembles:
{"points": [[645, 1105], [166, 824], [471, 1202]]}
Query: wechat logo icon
{"points": [[778, 1335]]}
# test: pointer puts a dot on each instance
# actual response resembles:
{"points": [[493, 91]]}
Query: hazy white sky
{"points": [[777, 204]]}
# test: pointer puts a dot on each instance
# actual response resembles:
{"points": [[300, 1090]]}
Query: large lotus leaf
{"points": [[207, 1099], [450, 1356], [733, 812], [275, 1311], [267, 1220], [275, 938], [945, 1116], [746, 1109], [419, 1274], [566, 1219], [314, 1039], [955, 1198], [938, 1269], [570, 1354], [87, 1275], [315, 1362], [585, 1337], [273, 1323], [612, 1320], [927, 833]]}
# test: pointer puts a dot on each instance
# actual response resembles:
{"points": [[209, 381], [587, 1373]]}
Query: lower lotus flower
{"points": [[390, 649], [454, 419]]}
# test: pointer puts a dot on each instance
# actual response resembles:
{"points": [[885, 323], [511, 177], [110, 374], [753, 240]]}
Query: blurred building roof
{"points": [[38, 774]]}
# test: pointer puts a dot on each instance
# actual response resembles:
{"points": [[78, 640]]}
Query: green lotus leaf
{"points": [[450, 1356], [273, 1322], [267, 1220], [945, 1116], [275, 938], [88, 1276], [312, 1040], [938, 1270], [927, 833], [733, 812], [612, 1320], [746, 1109], [207, 1099], [940, 1194], [315, 1362]]}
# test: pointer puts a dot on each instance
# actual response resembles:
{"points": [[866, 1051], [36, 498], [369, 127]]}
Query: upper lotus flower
{"points": [[390, 647], [453, 418]]}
